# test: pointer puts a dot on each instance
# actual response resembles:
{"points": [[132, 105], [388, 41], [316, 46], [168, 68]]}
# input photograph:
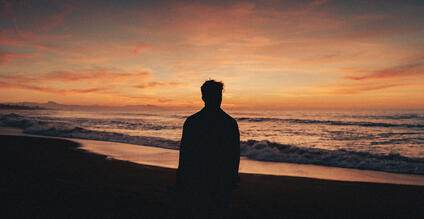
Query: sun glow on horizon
{"points": [[269, 54]]}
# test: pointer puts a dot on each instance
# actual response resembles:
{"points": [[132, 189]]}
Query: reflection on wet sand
{"points": [[169, 158]]}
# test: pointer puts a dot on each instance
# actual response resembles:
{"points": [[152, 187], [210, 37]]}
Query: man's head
{"points": [[212, 93]]}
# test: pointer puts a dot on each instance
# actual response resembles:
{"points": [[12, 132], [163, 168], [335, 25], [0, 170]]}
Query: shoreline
{"points": [[167, 158], [156, 156], [50, 177]]}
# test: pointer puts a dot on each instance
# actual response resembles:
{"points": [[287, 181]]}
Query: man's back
{"points": [[209, 158], [210, 149]]}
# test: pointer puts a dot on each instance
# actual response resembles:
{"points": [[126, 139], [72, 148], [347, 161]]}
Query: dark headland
{"points": [[19, 107], [53, 178]]}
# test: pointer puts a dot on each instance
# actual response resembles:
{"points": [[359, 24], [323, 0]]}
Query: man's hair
{"points": [[212, 89]]}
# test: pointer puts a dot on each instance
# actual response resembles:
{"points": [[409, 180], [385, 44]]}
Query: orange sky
{"points": [[269, 54]]}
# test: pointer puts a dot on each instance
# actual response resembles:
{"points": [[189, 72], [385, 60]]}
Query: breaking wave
{"points": [[257, 150], [63, 129], [412, 116], [331, 122], [268, 151]]}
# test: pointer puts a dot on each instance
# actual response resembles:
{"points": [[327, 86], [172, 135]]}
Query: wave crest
{"points": [[269, 151], [329, 122], [257, 150]]}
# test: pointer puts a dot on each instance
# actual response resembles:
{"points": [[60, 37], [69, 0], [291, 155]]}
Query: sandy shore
{"points": [[43, 177], [167, 158], [161, 157]]}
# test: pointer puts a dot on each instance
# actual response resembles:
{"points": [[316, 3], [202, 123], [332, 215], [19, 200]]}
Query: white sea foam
{"points": [[336, 123], [263, 150], [268, 151]]}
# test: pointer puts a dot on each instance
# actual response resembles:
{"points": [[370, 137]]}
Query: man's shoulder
{"points": [[193, 117], [228, 117], [200, 115]]}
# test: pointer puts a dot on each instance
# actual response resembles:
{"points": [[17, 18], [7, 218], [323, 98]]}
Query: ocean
{"points": [[383, 140]]}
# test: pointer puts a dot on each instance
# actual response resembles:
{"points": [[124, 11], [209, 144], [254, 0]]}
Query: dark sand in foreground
{"points": [[42, 177]]}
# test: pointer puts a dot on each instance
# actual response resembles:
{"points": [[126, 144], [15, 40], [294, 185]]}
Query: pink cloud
{"points": [[141, 47], [94, 76], [20, 37], [350, 89], [55, 20], [158, 84], [95, 80], [35, 34], [392, 72], [5, 85], [101, 74], [6, 57]]}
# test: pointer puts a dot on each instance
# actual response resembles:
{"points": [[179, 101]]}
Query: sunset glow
{"points": [[270, 54]]}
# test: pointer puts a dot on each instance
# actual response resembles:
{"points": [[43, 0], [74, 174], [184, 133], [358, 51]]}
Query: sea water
{"points": [[386, 140]]}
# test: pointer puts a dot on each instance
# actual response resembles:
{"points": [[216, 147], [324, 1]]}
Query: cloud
{"points": [[379, 79], [140, 48], [55, 20], [31, 28], [82, 81], [349, 89], [20, 37], [158, 84], [94, 75], [209, 35], [399, 71], [267, 44], [329, 58], [5, 85], [148, 98], [6, 57], [87, 90]]}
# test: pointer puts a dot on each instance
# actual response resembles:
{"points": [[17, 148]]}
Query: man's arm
{"points": [[236, 148], [236, 156], [181, 162]]}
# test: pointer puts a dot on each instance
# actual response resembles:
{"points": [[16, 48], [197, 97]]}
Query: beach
{"points": [[315, 104], [383, 142], [50, 177]]}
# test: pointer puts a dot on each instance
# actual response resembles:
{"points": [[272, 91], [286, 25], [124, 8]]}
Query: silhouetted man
{"points": [[209, 157]]}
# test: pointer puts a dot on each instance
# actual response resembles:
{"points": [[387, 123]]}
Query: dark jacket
{"points": [[209, 152]]}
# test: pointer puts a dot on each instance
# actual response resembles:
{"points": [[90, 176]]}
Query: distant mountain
{"points": [[58, 106], [19, 107]]}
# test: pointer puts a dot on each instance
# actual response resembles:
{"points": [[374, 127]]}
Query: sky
{"points": [[269, 54]]}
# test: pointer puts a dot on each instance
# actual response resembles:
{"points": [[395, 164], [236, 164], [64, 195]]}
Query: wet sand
{"points": [[45, 177], [161, 157], [167, 158]]}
